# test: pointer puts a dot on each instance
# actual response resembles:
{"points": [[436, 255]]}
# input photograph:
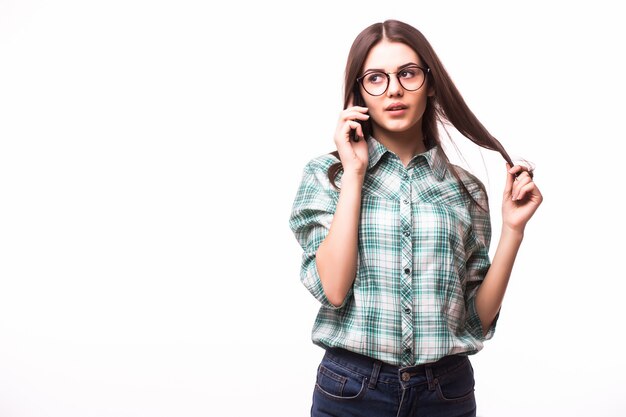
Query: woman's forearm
{"points": [[336, 257], [491, 291]]}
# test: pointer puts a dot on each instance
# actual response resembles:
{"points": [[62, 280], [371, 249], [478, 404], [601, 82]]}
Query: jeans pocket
{"points": [[337, 382], [456, 385]]}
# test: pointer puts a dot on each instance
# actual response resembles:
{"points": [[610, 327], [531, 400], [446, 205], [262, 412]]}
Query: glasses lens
{"points": [[375, 83], [411, 78]]}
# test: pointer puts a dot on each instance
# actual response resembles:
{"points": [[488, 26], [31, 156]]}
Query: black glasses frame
{"points": [[359, 80]]}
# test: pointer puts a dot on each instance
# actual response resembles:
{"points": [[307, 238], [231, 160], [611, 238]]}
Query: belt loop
{"points": [[429, 376], [374, 377]]}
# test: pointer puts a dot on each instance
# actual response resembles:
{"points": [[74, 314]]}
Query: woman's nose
{"points": [[395, 88]]}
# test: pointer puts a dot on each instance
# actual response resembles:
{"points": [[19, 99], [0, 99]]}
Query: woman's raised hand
{"points": [[353, 153], [521, 198]]}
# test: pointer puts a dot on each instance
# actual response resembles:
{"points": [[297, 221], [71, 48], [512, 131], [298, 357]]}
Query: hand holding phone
{"points": [[352, 150]]}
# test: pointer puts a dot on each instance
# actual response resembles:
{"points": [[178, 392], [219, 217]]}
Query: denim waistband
{"points": [[365, 364]]}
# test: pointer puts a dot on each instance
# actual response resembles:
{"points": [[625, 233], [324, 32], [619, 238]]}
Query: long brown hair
{"points": [[446, 106]]}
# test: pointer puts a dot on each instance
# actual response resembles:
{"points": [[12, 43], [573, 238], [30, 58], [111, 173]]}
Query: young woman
{"points": [[396, 238]]}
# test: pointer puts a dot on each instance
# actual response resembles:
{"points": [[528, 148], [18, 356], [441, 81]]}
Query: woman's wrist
{"points": [[352, 177], [513, 233]]}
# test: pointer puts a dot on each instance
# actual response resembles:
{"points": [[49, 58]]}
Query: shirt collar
{"points": [[435, 160], [376, 150]]}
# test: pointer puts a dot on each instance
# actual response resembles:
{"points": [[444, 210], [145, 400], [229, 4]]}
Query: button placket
{"points": [[406, 276]]}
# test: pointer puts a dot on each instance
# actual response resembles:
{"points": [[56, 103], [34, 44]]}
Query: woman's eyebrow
{"points": [[408, 64]]}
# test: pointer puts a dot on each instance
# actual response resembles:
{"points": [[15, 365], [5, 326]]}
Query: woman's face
{"points": [[397, 111]]}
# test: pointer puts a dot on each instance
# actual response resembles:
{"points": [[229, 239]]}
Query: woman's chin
{"points": [[398, 128]]}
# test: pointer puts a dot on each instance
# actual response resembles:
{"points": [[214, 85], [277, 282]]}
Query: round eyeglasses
{"points": [[411, 78]]}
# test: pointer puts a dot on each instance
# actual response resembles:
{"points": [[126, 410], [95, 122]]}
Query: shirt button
{"points": [[405, 201], [407, 271], [405, 376], [407, 234], [407, 350], [405, 176], [407, 310]]}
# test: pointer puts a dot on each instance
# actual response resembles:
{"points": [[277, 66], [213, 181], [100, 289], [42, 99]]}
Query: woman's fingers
{"points": [[508, 187], [521, 198], [355, 113], [348, 134], [358, 128], [519, 177], [348, 121], [518, 186], [526, 189], [520, 169]]}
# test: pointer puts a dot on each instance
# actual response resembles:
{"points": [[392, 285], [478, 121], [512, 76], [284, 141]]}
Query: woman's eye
{"points": [[375, 78], [407, 73]]}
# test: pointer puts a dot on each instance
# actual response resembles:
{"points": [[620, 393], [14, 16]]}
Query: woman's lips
{"points": [[396, 109], [397, 112]]}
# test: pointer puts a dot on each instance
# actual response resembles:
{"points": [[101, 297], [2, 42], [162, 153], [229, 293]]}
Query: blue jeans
{"points": [[349, 384]]}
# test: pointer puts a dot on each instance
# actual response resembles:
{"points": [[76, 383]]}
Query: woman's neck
{"points": [[404, 144]]}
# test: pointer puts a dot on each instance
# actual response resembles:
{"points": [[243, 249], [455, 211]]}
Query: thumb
{"points": [[508, 187]]}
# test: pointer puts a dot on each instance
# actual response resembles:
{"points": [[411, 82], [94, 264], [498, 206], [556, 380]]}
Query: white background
{"points": [[150, 153]]}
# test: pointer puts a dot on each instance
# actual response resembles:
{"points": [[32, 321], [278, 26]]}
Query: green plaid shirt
{"points": [[423, 252]]}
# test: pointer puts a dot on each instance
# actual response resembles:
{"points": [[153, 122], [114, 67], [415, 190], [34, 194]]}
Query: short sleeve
{"points": [[477, 261], [311, 216]]}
